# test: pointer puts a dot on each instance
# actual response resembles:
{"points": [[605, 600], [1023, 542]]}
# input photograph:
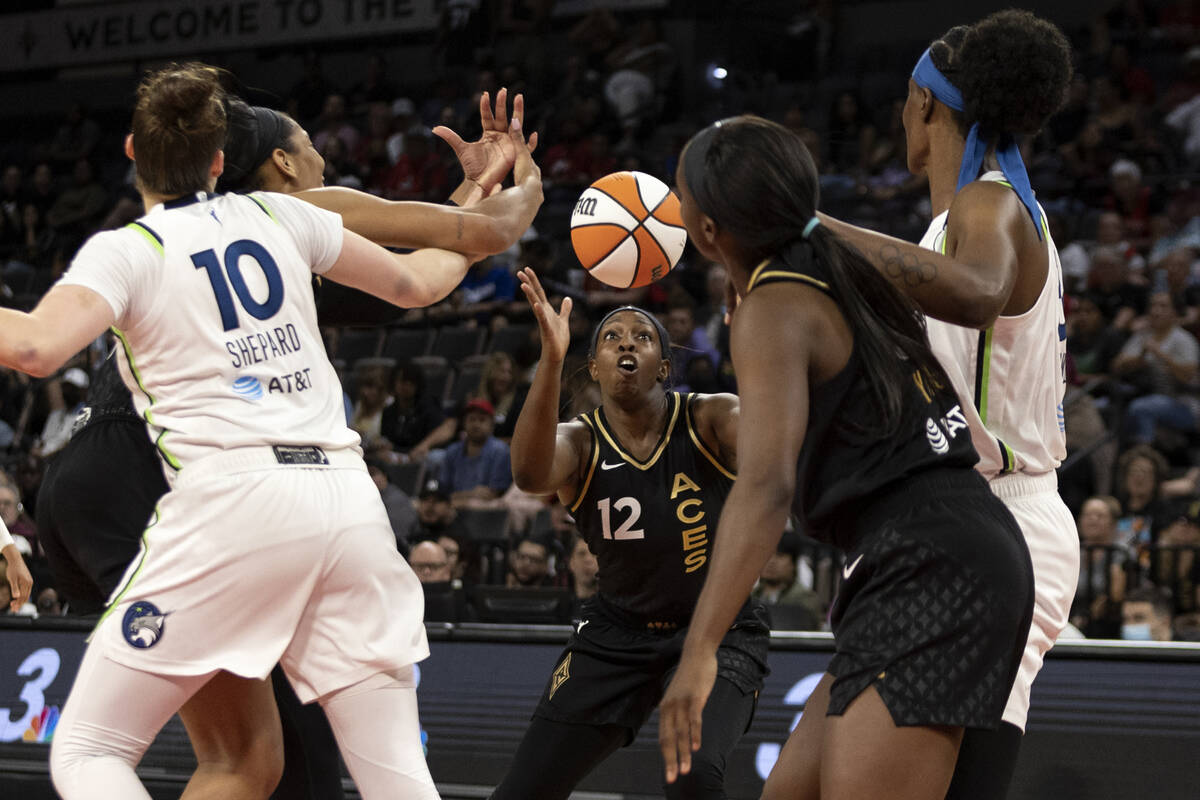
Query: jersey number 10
{"points": [[231, 275]]}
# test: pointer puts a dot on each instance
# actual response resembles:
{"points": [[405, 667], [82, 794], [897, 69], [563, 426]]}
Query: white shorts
{"points": [[248, 563], [1053, 542]]}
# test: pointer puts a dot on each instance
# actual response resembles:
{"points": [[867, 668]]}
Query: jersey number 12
{"points": [[626, 531], [231, 275]]}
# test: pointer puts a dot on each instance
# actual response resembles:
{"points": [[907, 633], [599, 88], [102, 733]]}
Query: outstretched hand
{"points": [[554, 327], [681, 710], [489, 160]]}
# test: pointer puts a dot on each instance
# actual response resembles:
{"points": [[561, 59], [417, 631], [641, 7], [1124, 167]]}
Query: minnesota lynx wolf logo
{"points": [[561, 673], [143, 625]]}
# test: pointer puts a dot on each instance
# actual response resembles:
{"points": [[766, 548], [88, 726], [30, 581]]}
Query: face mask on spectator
{"points": [[1137, 632]]}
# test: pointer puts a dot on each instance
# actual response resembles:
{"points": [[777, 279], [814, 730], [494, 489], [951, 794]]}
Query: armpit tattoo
{"points": [[906, 267]]}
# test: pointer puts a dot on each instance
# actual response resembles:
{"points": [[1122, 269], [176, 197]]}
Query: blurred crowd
{"points": [[435, 393]]}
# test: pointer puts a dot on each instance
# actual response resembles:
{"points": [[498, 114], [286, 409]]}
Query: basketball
{"points": [[627, 230]]}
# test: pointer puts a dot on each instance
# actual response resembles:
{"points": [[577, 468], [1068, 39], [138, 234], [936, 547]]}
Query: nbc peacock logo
{"points": [[41, 727]]}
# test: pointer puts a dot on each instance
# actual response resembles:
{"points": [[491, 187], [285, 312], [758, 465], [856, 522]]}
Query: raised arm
{"points": [[771, 348], [970, 288], [546, 456], [64, 322], [422, 278], [492, 223]]}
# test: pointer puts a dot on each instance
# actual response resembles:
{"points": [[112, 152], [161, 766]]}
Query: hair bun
{"points": [[1013, 69]]}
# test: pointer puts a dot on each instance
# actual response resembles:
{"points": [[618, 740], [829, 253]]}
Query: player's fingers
{"points": [[501, 110], [449, 137], [565, 311], [485, 111], [533, 140], [519, 107], [683, 748], [495, 190], [666, 741], [695, 718]]}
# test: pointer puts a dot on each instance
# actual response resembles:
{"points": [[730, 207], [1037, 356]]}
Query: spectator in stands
{"points": [[65, 397], [401, 513], [76, 138], [1131, 200], [488, 287], [584, 569], [1101, 588], [48, 604], [419, 172], [1163, 360], [413, 422], [12, 512], [1146, 615], [404, 121], [851, 135], [436, 515], [334, 124], [430, 562], [12, 203], [1091, 341], [1140, 473], [1176, 267], [498, 385], [528, 564], [371, 395], [453, 544], [478, 467], [341, 169], [1120, 298], [79, 207], [1178, 567], [375, 87], [42, 190], [689, 341], [779, 585], [1113, 231]]}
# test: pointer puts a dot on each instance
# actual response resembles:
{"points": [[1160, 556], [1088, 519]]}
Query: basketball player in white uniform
{"points": [[272, 544], [993, 299]]}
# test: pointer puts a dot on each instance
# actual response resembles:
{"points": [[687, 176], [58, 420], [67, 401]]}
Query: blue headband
{"points": [[1008, 153]]}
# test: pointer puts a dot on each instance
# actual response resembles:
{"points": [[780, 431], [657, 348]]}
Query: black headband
{"points": [[269, 127]]}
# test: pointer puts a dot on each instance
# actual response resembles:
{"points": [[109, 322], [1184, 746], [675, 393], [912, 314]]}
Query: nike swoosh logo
{"points": [[606, 465], [849, 568]]}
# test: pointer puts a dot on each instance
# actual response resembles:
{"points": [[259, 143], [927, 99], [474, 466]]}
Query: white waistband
{"points": [[1020, 484], [246, 459]]}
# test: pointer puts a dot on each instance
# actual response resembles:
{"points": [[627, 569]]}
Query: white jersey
{"points": [[1012, 376], [214, 308]]}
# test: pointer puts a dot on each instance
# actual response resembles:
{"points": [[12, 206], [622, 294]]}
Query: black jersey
{"points": [[845, 459], [651, 523]]}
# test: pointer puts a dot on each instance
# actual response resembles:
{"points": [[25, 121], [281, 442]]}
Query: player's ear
{"points": [[708, 229], [925, 99], [593, 370], [664, 371], [129, 147], [218, 165], [283, 162]]}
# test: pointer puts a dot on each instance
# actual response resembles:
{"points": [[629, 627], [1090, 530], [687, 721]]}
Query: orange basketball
{"points": [[626, 229]]}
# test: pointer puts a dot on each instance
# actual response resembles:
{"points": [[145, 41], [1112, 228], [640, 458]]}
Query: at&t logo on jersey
{"points": [[143, 625], [248, 388], [939, 435]]}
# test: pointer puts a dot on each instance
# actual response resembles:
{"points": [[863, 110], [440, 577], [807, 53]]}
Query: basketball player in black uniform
{"points": [[99, 492], [851, 423], [645, 475]]}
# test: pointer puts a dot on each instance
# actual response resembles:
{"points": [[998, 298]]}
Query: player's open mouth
{"points": [[627, 364]]}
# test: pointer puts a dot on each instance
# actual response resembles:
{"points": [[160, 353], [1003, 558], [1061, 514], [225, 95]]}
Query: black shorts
{"points": [[613, 672], [936, 605], [95, 501]]}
